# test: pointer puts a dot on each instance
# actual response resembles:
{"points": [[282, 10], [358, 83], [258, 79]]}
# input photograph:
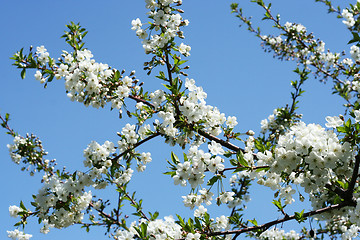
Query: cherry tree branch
{"points": [[350, 190], [137, 99], [102, 213], [135, 204], [218, 140], [284, 219], [5, 125], [136, 145]]}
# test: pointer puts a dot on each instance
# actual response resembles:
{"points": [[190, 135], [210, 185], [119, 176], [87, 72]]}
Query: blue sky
{"points": [[226, 60]]}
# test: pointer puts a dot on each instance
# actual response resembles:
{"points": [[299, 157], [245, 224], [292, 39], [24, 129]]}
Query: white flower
{"points": [[190, 84], [333, 122], [215, 164], [226, 197], [145, 157], [222, 222], [124, 235], [200, 211], [355, 52], [141, 33], [191, 200], [38, 75], [184, 49], [231, 122], [160, 18], [216, 148], [192, 236], [357, 115], [14, 210], [40, 49], [136, 24]]}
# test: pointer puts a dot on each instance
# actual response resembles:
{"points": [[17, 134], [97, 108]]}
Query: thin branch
{"points": [[272, 223], [6, 126], [222, 142], [252, 168], [133, 202], [137, 99], [105, 214], [136, 145]]}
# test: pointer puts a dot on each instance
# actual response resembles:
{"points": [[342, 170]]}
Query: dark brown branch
{"points": [[350, 190], [272, 223], [347, 195], [218, 140], [135, 146], [252, 168], [104, 214], [137, 99]]}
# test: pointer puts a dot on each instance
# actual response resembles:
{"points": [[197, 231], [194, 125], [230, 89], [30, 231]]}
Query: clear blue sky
{"points": [[226, 60]]}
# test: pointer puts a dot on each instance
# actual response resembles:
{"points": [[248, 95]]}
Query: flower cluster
{"points": [[312, 52], [43, 58], [129, 137], [349, 18], [199, 162], [194, 108], [270, 122], [97, 158], [168, 21], [29, 151], [61, 200], [309, 156], [96, 155], [193, 199], [86, 80], [157, 229], [16, 234], [13, 149], [91, 82], [274, 234]]}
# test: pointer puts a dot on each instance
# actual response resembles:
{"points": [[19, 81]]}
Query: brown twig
{"points": [[272, 223], [7, 126], [135, 146]]}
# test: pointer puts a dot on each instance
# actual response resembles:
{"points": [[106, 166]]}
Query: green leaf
{"points": [[154, 216], [278, 204], [253, 222], [22, 206], [241, 160], [143, 229], [181, 221], [299, 216], [356, 37], [162, 76], [341, 129], [233, 162], [213, 180], [259, 146], [117, 75], [172, 173], [174, 158], [23, 72], [234, 6], [228, 154]]}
